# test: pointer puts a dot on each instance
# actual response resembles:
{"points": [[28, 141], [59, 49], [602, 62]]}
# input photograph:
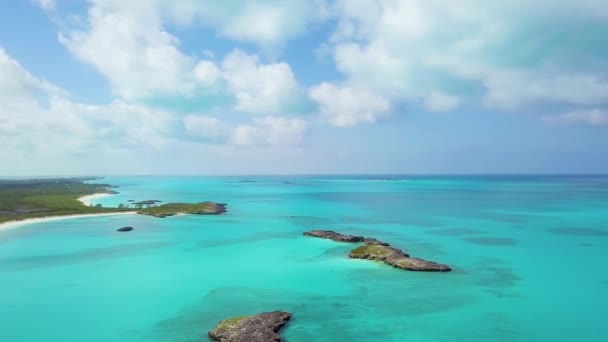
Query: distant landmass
{"points": [[39, 198]]}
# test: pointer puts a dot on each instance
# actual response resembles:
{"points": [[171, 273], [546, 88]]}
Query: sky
{"points": [[113, 87]]}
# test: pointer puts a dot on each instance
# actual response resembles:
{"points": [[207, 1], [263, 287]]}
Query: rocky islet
{"points": [[377, 250], [262, 327]]}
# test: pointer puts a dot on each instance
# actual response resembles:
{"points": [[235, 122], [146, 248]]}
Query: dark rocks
{"points": [[262, 327], [381, 251], [329, 234], [415, 264], [372, 241], [124, 229]]}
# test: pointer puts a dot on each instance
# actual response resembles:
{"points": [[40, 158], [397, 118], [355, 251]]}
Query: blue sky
{"points": [[303, 86]]}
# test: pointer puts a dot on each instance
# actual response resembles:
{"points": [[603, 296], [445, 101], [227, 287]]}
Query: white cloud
{"points": [[259, 88], [507, 55], [440, 102], [267, 23], [372, 65], [38, 119], [207, 72], [348, 106], [16, 83], [512, 90], [128, 45], [271, 130], [593, 117]]}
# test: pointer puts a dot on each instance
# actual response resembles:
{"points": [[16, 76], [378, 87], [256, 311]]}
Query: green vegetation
{"points": [[405, 263], [230, 323], [23, 199], [373, 251], [169, 209]]}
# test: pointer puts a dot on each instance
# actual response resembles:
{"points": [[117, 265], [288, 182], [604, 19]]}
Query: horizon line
{"points": [[463, 174]]}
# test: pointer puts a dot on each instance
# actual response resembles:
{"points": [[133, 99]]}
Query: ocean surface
{"points": [[529, 258]]}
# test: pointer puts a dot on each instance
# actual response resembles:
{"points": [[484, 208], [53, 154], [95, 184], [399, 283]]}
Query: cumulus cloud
{"points": [[132, 51], [16, 83], [348, 106], [39, 118], [592, 117], [506, 55], [207, 73], [271, 130], [128, 44], [265, 23], [259, 88]]}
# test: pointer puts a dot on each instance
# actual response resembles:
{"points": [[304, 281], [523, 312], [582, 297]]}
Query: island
{"points": [[22, 199], [170, 209], [373, 249], [263, 327]]}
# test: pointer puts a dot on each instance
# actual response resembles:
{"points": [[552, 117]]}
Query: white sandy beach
{"points": [[15, 224], [88, 199]]}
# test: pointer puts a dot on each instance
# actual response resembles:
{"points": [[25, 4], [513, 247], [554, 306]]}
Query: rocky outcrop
{"points": [[374, 249], [124, 229], [372, 241], [396, 258], [262, 327], [331, 235], [416, 264]]}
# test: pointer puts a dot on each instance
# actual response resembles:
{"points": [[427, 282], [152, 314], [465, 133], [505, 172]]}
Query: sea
{"points": [[529, 256]]}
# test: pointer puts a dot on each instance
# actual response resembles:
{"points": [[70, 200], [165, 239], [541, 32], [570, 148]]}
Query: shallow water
{"points": [[528, 255]]}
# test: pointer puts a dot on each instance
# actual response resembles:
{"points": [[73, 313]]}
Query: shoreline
{"points": [[15, 224], [87, 200]]}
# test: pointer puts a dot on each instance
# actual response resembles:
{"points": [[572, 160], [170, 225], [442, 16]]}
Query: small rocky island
{"points": [[262, 327], [171, 209], [374, 249]]}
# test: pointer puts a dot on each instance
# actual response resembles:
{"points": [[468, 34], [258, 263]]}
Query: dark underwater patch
{"points": [[82, 256], [455, 232], [578, 231], [492, 241]]}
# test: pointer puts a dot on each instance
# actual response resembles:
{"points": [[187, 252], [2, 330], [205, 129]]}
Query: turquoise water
{"points": [[529, 257]]}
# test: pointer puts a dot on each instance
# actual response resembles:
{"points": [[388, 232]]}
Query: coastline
{"points": [[15, 224], [88, 199]]}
